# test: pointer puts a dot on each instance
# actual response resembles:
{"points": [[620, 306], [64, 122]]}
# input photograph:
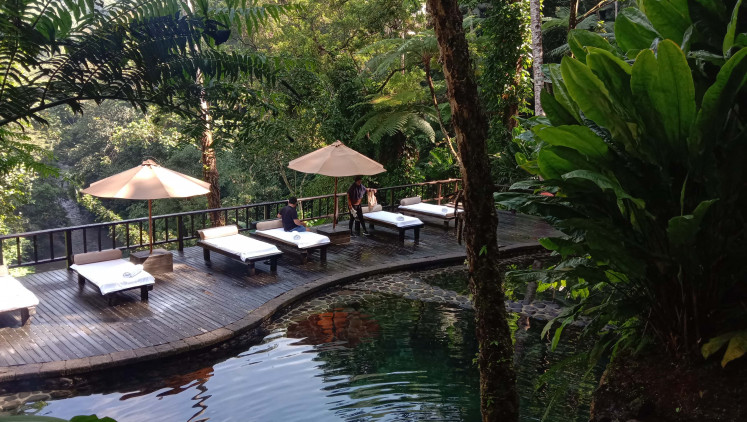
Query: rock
{"points": [[38, 397], [56, 394]]}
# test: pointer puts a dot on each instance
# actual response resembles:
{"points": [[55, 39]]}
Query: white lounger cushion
{"points": [[306, 239], [14, 296], [109, 277], [391, 218], [214, 232], [437, 210], [243, 246]]}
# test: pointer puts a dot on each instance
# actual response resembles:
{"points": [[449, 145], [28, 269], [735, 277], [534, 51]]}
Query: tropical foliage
{"points": [[642, 146]]}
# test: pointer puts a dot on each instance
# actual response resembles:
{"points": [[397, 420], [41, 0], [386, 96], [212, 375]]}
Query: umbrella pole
{"points": [[334, 217], [150, 224]]}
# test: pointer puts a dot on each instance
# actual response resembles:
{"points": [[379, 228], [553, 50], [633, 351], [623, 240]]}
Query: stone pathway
{"points": [[414, 285]]}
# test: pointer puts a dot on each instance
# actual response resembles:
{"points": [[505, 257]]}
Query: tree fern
{"points": [[144, 51], [405, 119]]}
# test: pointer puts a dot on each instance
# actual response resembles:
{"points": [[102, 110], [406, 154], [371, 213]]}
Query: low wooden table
{"points": [[160, 261], [338, 236]]}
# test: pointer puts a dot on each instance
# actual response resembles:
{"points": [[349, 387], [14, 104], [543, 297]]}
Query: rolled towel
{"points": [[400, 217], [297, 237], [132, 272], [444, 210]]}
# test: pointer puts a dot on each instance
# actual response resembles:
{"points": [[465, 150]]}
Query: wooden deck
{"points": [[197, 305]]}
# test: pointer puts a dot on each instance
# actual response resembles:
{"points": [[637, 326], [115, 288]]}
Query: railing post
{"points": [[391, 199], [439, 193], [267, 212], [69, 247], [180, 233], [2, 257]]}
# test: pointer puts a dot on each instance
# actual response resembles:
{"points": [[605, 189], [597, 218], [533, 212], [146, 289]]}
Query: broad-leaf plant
{"points": [[644, 146]]}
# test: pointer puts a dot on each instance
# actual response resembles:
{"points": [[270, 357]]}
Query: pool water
{"points": [[346, 356]]}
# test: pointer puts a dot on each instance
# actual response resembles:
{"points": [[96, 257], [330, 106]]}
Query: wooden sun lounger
{"points": [[287, 246], [114, 256], [218, 232], [250, 268], [15, 297], [372, 222], [415, 200]]}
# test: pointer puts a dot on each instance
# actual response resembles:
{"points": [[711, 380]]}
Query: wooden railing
{"points": [[55, 245]]}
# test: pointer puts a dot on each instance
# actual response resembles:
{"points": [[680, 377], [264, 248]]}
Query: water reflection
{"points": [[346, 327]]}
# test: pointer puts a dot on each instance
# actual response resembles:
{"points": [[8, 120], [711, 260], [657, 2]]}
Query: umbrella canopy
{"points": [[336, 160], [148, 181]]}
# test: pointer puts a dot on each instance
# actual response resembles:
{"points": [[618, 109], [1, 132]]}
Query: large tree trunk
{"points": [[498, 396], [573, 13], [209, 163], [535, 14], [207, 158]]}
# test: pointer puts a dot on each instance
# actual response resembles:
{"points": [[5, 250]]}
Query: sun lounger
{"points": [[227, 241], [15, 297], [294, 242], [399, 222], [414, 206], [109, 273]]}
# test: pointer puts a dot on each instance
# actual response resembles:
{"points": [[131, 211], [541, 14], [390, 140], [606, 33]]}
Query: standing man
{"points": [[356, 192], [291, 223]]}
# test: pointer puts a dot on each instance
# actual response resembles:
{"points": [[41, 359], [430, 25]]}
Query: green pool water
{"points": [[344, 357]]}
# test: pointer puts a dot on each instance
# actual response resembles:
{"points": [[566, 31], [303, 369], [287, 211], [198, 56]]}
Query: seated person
{"points": [[291, 223]]}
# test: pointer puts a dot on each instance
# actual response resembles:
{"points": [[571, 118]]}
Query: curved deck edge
{"points": [[251, 321]]}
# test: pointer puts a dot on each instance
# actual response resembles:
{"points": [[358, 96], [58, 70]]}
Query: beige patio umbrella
{"points": [[148, 181], [336, 160]]}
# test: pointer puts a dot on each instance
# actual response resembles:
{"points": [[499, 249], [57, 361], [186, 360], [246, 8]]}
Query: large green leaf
{"points": [[580, 39], [737, 346], [682, 230], [579, 138], [555, 111], [615, 74], [552, 165], [633, 31], [592, 97], [560, 92], [674, 96], [604, 183], [731, 29], [671, 18], [665, 94], [718, 100]]}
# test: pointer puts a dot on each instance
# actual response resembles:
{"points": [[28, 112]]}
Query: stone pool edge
{"points": [[249, 322]]}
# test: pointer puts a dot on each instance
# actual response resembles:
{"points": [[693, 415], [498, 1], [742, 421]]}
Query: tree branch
{"points": [[386, 81]]}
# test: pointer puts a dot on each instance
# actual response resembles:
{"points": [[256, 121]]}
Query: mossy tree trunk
{"points": [[498, 396]]}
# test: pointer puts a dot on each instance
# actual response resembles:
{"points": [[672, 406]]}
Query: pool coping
{"points": [[251, 321]]}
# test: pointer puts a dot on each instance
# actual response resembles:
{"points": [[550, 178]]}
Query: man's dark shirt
{"points": [[356, 192], [288, 214]]}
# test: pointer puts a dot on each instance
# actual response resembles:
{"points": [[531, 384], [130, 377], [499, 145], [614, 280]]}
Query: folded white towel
{"points": [[132, 272], [400, 217], [444, 210], [297, 237]]}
